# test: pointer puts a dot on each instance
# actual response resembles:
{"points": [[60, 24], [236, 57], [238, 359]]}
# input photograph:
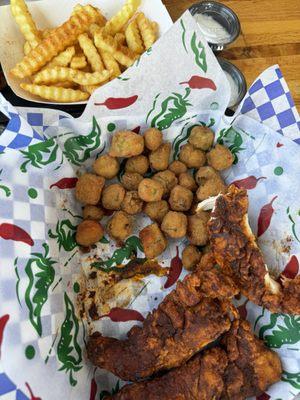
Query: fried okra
{"points": [[153, 138], [112, 196], [153, 240], [89, 188], [120, 225], [177, 167], [92, 212], [174, 224], [139, 164], [197, 228], [156, 210], [150, 190], [131, 180], [106, 166], [220, 157], [191, 256], [167, 179], [210, 183], [186, 180], [180, 198], [132, 204], [89, 232], [159, 158], [201, 138], [192, 157], [126, 144]]}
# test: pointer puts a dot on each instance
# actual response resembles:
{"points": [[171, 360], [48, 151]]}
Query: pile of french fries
{"points": [[67, 63]]}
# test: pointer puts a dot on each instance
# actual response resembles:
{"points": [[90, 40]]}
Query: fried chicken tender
{"points": [[197, 228], [237, 252], [159, 158], [131, 180], [113, 196], [89, 188], [153, 241], [210, 183], [167, 179], [132, 204], [126, 144], [139, 164], [153, 138], [180, 198], [192, 157], [177, 167], [185, 322], [150, 190], [201, 138], [190, 257], [89, 232], [220, 157], [106, 166], [92, 212], [174, 224], [156, 210]]}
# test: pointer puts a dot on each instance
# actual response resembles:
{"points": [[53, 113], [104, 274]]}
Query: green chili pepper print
{"points": [[105, 393], [292, 378], [286, 332], [78, 149], [183, 35], [65, 235], [293, 222], [5, 189], [68, 350], [172, 108], [130, 249], [41, 273], [199, 52], [39, 154]]}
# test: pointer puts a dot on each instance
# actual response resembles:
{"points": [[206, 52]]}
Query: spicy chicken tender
{"points": [[139, 164], [126, 144], [106, 166], [191, 256], [92, 212], [220, 157], [210, 183], [180, 198], [153, 241], [150, 190], [89, 232], [174, 224], [186, 180], [131, 180], [201, 138], [112, 196], [120, 225], [192, 157], [197, 232], [156, 210], [132, 204], [89, 188], [177, 167], [153, 138], [159, 158], [168, 180]]}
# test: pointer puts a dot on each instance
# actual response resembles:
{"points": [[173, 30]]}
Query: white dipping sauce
{"points": [[234, 92], [211, 29]]}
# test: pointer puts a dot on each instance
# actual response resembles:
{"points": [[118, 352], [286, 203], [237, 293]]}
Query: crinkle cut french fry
{"points": [[101, 20], [91, 53], [78, 62], [63, 59], [66, 84], [27, 47], [110, 64], [93, 28], [116, 23], [62, 74], [89, 88], [54, 93], [155, 28], [146, 29], [25, 21], [120, 38], [133, 37], [63, 36]]}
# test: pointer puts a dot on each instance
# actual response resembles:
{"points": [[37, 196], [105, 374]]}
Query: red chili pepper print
{"points": [[279, 144], [3, 322], [115, 103], [175, 270], [248, 183], [14, 232], [198, 82], [123, 315], [93, 389], [291, 269], [265, 217], [263, 396], [32, 397], [137, 129], [65, 183]]}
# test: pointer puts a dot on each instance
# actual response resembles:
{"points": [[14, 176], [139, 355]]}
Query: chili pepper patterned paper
{"points": [[42, 338]]}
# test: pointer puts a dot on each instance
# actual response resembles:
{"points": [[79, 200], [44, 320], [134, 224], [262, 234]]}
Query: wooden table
{"points": [[270, 35]]}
